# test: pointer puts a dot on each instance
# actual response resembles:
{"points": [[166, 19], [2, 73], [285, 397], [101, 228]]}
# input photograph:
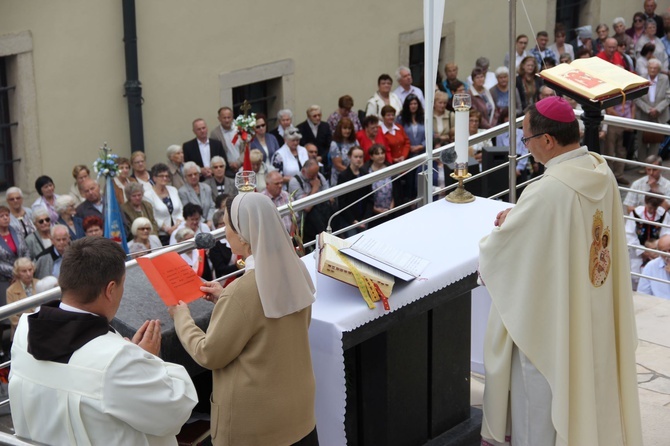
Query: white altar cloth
{"points": [[446, 234]]}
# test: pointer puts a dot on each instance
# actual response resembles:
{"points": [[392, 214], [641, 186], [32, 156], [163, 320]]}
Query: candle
{"points": [[462, 104]]}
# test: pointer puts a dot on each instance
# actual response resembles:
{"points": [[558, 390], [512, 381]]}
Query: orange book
{"points": [[172, 278]]}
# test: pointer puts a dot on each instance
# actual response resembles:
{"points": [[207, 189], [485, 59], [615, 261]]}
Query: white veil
{"points": [[283, 282]]}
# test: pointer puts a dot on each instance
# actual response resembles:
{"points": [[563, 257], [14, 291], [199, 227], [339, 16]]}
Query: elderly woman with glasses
{"points": [[20, 217], [23, 286], [165, 201], [138, 161], [219, 183], [265, 142], [39, 240], [135, 207], [67, 217], [143, 240], [257, 340], [649, 36], [196, 192], [175, 156], [289, 159]]}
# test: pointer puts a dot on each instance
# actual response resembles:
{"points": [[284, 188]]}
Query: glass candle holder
{"points": [[462, 102], [245, 181]]}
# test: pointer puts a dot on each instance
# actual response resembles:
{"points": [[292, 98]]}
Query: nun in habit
{"points": [[257, 343]]}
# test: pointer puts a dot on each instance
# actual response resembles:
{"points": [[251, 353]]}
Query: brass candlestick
{"points": [[460, 195]]}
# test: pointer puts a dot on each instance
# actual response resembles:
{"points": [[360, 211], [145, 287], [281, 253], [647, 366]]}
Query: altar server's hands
{"points": [[148, 337]]}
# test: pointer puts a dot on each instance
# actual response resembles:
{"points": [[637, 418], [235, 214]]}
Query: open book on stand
{"points": [[594, 78]]}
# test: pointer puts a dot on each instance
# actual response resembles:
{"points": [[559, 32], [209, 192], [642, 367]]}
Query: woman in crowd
{"points": [[143, 240], [527, 84], [637, 30], [361, 210], [196, 192], [67, 217], [165, 202], [264, 141], [443, 120], [39, 240], [481, 98], [649, 36], [138, 161], [412, 120], [288, 160], [12, 246], [642, 61], [219, 182], [93, 226], [345, 107], [500, 94], [122, 179], [383, 97], [195, 258], [175, 163], [259, 167], [645, 234], [284, 121], [559, 47], [395, 137], [135, 207], [44, 186], [80, 173], [344, 138], [458, 87], [602, 31], [382, 199], [23, 286], [20, 217], [259, 325]]}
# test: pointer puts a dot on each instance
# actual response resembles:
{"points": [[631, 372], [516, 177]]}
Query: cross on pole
{"points": [[105, 149], [245, 107]]}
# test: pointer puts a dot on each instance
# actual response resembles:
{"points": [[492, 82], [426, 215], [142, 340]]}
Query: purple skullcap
{"points": [[556, 109]]}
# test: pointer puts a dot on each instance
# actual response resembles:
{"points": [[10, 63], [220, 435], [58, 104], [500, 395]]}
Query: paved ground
{"points": [[653, 368]]}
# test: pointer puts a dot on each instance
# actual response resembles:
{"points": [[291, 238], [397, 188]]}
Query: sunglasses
{"points": [[260, 126], [42, 220]]}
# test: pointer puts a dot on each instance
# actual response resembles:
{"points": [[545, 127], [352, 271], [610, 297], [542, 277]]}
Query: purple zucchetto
{"points": [[556, 109]]}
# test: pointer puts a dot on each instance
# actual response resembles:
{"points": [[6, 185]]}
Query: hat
{"points": [[556, 109], [585, 32]]}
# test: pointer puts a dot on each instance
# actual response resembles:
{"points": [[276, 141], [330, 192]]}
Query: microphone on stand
{"points": [[329, 230], [203, 240]]}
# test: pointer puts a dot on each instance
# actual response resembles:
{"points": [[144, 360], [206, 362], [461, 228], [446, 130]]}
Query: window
{"points": [[262, 96], [268, 88], [416, 59], [411, 52], [6, 124]]}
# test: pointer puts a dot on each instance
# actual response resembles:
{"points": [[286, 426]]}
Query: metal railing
{"points": [[335, 191]]}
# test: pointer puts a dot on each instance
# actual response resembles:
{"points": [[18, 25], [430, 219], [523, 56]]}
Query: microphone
{"points": [[448, 156], [329, 230], [204, 240]]}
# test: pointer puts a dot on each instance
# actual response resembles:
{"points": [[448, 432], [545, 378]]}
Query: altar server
{"points": [[560, 345], [75, 380]]}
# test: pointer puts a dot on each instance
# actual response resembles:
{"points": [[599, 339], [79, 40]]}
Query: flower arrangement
{"points": [[246, 126], [106, 164]]}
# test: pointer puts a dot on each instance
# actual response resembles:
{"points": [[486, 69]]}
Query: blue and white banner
{"points": [[114, 229]]}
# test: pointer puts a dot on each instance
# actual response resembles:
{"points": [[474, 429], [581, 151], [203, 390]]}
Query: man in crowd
{"points": [[546, 92], [451, 77], [658, 268], [317, 132], [584, 39], [202, 149], [541, 50], [74, 380], [225, 132], [653, 106], [568, 321], [610, 53], [403, 76], [652, 182], [274, 190], [48, 262], [650, 13], [92, 205], [308, 182]]}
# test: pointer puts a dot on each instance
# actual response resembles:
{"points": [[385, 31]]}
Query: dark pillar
{"points": [[133, 86]]}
